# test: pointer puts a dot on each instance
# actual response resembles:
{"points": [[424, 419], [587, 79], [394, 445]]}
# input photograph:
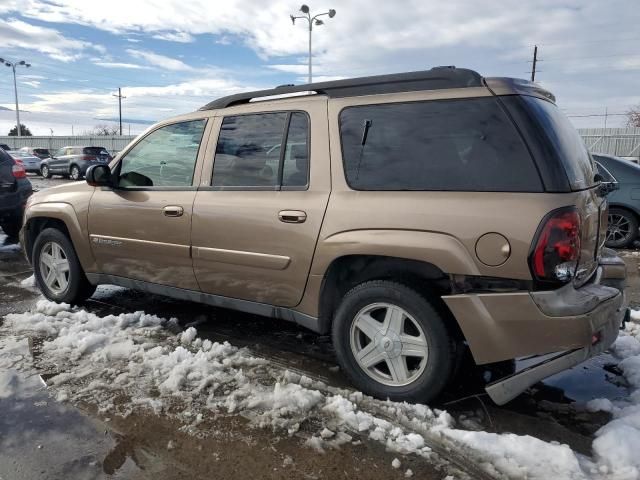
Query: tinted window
{"points": [[41, 151], [94, 151], [164, 158], [568, 145], [295, 170], [604, 172], [462, 145], [249, 151]]}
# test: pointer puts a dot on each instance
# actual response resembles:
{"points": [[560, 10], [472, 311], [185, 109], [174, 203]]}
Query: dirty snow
{"points": [[135, 353]]}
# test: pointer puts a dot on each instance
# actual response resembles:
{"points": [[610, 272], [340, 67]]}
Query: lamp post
{"points": [[13, 65], [306, 14]]}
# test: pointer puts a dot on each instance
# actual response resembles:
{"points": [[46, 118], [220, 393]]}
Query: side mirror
{"points": [[99, 176]]}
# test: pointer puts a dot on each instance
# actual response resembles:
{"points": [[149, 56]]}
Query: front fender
{"points": [[66, 214]]}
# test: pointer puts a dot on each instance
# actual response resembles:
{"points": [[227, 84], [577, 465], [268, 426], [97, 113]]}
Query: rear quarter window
{"points": [[440, 145]]}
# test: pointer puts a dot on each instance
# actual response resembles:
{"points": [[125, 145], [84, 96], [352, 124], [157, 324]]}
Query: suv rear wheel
{"points": [[392, 342], [46, 173], [57, 269], [622, 230]]}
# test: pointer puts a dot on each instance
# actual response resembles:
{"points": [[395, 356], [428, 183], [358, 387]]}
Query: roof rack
{"points": [[433, 79]]}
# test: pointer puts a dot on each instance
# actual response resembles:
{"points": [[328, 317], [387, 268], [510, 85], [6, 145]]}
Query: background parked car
{"points": [[41, 153], [73, 161], [15, 188], [31, 162], [624, 203]]}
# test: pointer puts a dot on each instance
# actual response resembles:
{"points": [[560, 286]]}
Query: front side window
{"points": [[250, 152], [164, 158], [461, 144]]}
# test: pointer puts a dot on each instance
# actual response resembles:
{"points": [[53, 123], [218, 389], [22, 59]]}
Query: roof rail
{"points": [[433, 79]]}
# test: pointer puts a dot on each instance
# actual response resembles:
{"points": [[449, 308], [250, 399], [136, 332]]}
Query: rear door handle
{"points": [[173, 211], [292, 216]]}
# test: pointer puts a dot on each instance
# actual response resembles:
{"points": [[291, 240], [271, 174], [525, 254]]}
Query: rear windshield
{"points": [[567, 144], [438, 145], [41, 151], [94, 151]]}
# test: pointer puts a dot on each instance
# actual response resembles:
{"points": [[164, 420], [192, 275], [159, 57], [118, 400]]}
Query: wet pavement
{"points": [[44, 438]]}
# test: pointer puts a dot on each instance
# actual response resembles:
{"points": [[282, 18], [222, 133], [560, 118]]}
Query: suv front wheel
{"points": [[57, 269], [392, 342]]}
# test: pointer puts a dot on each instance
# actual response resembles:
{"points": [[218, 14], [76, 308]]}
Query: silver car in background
{"points": [[31, 162]]}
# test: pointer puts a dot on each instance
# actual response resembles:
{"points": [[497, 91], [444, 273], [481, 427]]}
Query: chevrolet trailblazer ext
{"points": [[413, 216]]}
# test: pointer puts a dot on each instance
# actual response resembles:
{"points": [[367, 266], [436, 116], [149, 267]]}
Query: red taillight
{"points": [[557, 248], [89, 158], [18, 170]]}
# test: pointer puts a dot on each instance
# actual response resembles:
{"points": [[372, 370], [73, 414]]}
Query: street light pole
{"points": [[311, 20], [13, 66]]}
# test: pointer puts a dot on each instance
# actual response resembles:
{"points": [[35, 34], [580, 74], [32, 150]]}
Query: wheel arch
{"points": [[347, 271], [61, 216]]}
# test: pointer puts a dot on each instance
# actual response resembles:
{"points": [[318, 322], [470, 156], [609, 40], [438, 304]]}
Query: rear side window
{"points": [[94, 151], [262, 151], [463, 145], [568, 146]]}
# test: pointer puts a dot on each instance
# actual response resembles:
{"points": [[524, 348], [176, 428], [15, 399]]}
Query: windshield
{"points": [[41, 151], [568, 145]]}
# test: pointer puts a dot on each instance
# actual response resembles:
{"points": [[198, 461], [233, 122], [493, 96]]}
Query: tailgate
{"points": [[593, 234]]}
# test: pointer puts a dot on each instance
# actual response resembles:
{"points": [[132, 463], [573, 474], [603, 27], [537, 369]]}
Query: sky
{"points": [[173, 56]]}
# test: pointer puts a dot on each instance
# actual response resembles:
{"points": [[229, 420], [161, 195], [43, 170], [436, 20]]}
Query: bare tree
{"points": [[633, 116], [103, 129]]}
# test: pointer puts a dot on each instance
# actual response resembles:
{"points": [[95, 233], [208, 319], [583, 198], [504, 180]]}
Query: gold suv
{"points": [[414, 216]]}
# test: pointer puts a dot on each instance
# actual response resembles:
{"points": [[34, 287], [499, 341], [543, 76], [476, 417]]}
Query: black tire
{"points": [[623, 228], [12, 227], [45, 171], [78, 288], [74, 173], [441, 347]]}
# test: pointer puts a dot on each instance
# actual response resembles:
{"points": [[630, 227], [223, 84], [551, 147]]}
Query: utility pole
{"points": [[13, 65], [120, 97], [535, 63]]}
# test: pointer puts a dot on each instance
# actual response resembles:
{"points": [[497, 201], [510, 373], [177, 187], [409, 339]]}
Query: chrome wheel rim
{"points": [[54, 267], [619, 228], [75, 173], [45, 171], [388, 344]]}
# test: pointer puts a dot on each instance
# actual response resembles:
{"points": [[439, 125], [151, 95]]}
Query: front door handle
{"points": [[292, 216], [173, 211]]}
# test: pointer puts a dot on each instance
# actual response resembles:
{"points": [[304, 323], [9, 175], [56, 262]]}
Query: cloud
{"points": [[18, 34], [158, 60], [31, 83], [131, 66], [180, 37]]}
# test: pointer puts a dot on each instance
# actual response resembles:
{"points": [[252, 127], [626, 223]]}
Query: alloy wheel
{"points": [[619, 228], [54, 267], [75, 173], [388, 344]]}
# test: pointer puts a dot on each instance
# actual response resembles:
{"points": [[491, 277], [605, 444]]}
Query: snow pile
{"points": [[134, 353], [617, 443]]}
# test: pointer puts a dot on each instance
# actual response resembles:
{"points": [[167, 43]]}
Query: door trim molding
{"points": [[241, 257], [264, 309]]}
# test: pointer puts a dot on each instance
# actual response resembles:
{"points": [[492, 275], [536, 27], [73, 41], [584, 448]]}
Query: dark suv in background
{"points": [[73, 161], [15, 188], [41, 153]]}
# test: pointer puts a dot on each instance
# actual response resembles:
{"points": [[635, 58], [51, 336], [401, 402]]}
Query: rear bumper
{"points": [[506, 389], [504, 326], [12, 203]]}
